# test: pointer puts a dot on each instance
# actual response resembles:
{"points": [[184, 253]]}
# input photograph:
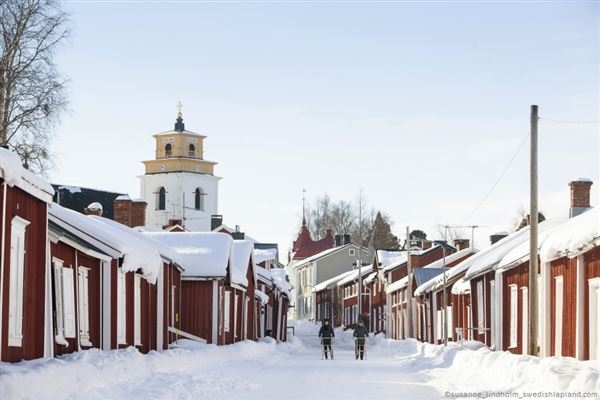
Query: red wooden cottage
{"points": [[205, 257], [570, 285], [239, 293], [113, 287], [272, 282], [24, 272]]}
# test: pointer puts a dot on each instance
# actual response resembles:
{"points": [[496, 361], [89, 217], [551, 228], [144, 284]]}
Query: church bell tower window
{"points": [[199, 199], [161, 198], [168, 150], [192, 150]]}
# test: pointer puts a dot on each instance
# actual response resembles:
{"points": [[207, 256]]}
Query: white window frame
{"points": [[83, 297], [514, 310], [16, 288], [351, 252], [226, 318], [121, 307], [480, 308], [525, 319], [558, 309], [137, 310], [235, 313], [57, 265], [68, 290], [449, 322], [173, 289], [492, 324]]}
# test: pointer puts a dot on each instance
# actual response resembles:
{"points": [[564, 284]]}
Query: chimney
{"points": [[497, 236], [128, 212], [93, 209], [138, 213], [215, 221], [338, 240], [580, 196], [461, 244]]}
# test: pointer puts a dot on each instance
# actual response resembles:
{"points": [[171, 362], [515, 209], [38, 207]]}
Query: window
{"points": [[192, 150], [199, 199], [64, 298], [17, 266], [121, 307], [351, 252], [162, 198], [168, 150], [84, 306]]}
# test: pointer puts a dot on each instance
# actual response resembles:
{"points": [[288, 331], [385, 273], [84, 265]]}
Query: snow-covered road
{"points": [[294, 370]]}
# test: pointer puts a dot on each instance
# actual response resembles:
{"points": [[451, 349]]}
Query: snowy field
{"points": [[294, 370]]}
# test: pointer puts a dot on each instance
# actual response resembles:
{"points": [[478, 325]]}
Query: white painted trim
{"points": [[15, 283], [493, 313], [160, 309], [514, 310], [480, 308], [186, 335], [2, 246], [545, 316], [215, 313], [48, 331], [68, 297], [121, 307], [524, 319], [558, 310], [137, 310], [499, 338], [594, 318], [579, 307], [105, 300], [83, 298]]}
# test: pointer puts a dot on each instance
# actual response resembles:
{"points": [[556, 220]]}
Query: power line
{"points": [[559, 121], [498, 180]]}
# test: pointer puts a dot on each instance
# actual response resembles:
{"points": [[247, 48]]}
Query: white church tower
{"points": [[179, 185]]}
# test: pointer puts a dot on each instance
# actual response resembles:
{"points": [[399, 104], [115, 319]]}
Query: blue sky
{"points": [[339, 97]]}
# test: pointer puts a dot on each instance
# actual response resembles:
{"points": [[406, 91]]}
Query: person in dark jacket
{"points": [[326, 334], [360, 336]]}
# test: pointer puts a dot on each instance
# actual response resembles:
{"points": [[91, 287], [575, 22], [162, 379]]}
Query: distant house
{"points": [[24, 278], [273, 290], [319, 268]]}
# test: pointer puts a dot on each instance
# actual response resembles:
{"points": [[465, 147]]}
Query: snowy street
{"points": [[295, 370]]}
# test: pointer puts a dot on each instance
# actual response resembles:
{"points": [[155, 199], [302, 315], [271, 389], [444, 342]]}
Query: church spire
{"points": [[179, 125]]}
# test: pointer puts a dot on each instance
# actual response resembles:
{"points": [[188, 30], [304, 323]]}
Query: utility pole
{"points": [[409, 292], [359, 258], [533, 235]]}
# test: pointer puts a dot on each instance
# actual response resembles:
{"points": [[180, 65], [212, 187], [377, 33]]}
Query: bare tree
{"points": [[343, 217], [32, 93]]}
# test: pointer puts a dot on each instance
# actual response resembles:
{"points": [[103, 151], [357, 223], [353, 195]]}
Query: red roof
{"points": [[305, 247]]}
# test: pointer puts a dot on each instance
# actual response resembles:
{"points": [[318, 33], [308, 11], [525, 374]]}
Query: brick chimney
{"points": [[130, 212], [580, 196], [461, 244]]}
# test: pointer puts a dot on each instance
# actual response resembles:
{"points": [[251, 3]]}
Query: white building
{"points": [[179, 184]]}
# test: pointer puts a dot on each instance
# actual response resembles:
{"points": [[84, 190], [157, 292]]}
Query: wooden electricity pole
{"points": [[533, 236]]}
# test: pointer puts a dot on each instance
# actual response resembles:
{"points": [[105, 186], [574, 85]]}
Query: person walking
{"points": [[360, 336], [326, 334]]}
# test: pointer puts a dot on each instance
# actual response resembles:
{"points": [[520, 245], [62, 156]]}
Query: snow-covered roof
{"points": [[13, 173], [172, 132], [279, 279], [572, 236], [520, 253], [261, 255], [138, 252], [400, 259], [354, 275], [371, 278], [264, 299], [264, 274], [322, 254], [421, 275], [203, 254], [461, 287], [386, 257], [436, 280], [241, 257], [331, 283]]}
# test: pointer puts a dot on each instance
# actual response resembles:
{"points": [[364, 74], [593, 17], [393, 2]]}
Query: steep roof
{"points": [[304, 246]]}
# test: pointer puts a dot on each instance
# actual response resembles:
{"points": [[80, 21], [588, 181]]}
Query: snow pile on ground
{"points": [[294, 370]]}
